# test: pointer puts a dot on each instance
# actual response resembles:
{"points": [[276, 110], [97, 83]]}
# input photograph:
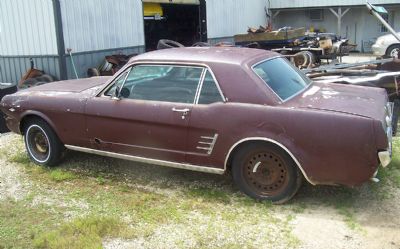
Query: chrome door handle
{"points": [[184, 111]]}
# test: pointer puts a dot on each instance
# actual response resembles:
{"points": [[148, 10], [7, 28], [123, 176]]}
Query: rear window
{"points": [[282, 77]]}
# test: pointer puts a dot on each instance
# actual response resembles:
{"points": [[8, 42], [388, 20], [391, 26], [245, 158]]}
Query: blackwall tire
{"points": [[164, 44], [265, 172], [393, 51], [42, 143]]}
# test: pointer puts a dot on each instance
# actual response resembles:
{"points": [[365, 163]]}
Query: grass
{"points": [[80, 233], [59, 175], [72, 207]]}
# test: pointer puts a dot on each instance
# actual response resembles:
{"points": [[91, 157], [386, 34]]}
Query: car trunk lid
{"points": [[362, 101]]}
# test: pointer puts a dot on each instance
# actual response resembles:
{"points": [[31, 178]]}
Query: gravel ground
{"points": [[317, 225]]}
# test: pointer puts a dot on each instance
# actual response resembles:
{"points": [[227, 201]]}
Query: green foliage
{"points": [[85, 232]]}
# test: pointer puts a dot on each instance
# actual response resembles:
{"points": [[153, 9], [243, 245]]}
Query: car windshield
{"points": [[282, 77]]}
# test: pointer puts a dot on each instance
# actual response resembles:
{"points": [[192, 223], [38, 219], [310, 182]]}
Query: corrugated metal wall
{"points": [[83, 60], [12, 68], [27, 28], [92, 25], [279, 4], [226, 18]]}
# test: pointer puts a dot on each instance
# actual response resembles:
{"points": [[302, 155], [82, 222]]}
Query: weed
{"points": [[85, 232], [59, 175], [209, 194]]}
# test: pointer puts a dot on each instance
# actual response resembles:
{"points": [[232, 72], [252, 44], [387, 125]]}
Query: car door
{"points": [[145, 112], [208, 125]]}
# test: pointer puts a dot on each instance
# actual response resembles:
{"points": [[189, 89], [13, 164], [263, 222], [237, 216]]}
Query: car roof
{"points": [[224, 55]]}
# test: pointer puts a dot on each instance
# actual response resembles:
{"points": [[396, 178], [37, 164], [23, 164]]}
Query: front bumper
{"points": [[378, 50]]}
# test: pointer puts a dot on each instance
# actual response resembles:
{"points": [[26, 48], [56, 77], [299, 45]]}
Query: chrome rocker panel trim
{"points": [[148, 160]]}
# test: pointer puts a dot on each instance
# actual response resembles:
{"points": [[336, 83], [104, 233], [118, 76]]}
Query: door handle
{"points": [[184, 111]]}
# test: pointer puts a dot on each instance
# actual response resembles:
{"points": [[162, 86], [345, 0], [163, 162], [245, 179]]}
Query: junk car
{"points": [[216, 110]]}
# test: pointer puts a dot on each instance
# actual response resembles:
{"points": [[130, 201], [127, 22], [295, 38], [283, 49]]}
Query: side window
{"points": [[209, 92], [118, 83], [162, 83]]}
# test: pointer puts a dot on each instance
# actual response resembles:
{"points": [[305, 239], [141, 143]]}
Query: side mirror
{"points": [[125, 93]]}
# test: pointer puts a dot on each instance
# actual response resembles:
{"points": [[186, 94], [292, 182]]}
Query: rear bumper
{"points": [[385, 157]]}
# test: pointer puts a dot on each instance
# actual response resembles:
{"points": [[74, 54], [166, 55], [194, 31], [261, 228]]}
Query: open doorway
{"points": [[181, 21]]}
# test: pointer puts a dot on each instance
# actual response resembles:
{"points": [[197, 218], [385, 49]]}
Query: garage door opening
{"points": [[179, 20]]}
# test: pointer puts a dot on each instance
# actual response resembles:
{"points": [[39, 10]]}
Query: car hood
{"points": [[356, 100], [388, 38], [72, 86]]}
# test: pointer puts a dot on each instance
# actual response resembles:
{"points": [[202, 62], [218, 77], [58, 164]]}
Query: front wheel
{"points": [[393, 51], [42, 143], [266, 172]]}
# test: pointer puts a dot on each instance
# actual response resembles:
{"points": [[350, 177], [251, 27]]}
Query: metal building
{"points": [[45, 29]]}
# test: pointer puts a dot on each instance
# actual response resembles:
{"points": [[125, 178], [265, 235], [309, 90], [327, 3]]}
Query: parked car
{"points": [[387, 45], [216, 110]]}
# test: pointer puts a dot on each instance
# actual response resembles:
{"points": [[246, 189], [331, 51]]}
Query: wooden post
{"points": [[339, 14]]}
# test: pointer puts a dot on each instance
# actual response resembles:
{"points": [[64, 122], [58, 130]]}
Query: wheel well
{"points": [[243, 144], [391, 46], [25, 120]]}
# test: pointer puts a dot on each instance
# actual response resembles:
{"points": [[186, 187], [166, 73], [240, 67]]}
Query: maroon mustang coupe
{"points": [[213, 110]]}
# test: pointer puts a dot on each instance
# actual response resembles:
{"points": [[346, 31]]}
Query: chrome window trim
{"points": [[148, 160], [200, 86], [271, 141], [155, 63], [102, 92], [280, 99], [215, 83]]}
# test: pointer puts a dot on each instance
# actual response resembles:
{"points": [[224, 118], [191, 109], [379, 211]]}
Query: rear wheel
{"points": [[42, 144], [266, 172], [393, 51]]}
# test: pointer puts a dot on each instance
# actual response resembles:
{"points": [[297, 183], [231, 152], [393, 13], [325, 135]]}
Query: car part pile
{"points": [[34, 77], [111, 65]]}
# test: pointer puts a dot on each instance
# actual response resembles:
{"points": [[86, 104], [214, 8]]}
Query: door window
{"points": [[209, 92], [162, 83]]}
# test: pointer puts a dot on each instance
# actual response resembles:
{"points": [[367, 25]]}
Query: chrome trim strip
{"points": [[203, 148], [199, 86], [211, 144], [148, 160], [271, 141], [206, 143], [210, 138]]}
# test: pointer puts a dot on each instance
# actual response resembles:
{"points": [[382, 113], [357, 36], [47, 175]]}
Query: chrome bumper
{"points": [[385, 157]]}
